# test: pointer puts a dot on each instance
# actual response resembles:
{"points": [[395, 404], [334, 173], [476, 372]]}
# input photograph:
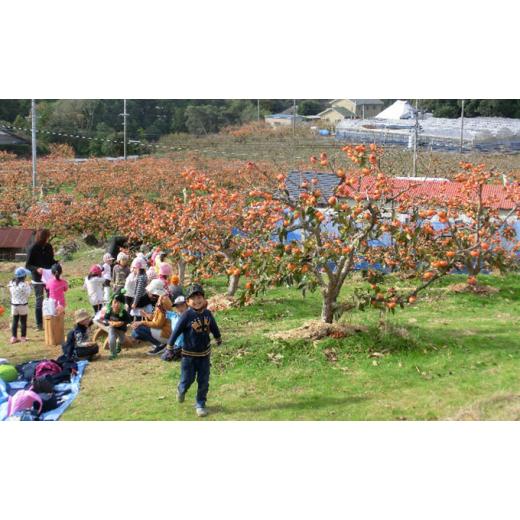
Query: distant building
{"points": [[15, 242], [276, 120], [8, 138], [361, 108], [333, 115]]}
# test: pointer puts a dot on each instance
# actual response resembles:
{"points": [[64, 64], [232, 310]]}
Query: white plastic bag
{"points": [[49, 307]]}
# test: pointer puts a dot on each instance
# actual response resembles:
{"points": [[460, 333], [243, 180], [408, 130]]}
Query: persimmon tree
{"points": [[375, 221], [219, 228]]}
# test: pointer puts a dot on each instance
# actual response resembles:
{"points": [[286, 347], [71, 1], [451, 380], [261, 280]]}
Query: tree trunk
{"points": [[181, 267], [327, 309], [233, 285]]}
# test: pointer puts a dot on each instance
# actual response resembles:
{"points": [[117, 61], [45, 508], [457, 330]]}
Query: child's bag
{"points": [[47, 368], [49, 307], [8, 373], [24, 400]]}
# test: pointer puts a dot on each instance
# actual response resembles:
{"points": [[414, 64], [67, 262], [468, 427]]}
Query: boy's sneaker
{"points": [[156, 350], [202, 412], [23, 339], [180, 397], [112, 357], [14, 340]]}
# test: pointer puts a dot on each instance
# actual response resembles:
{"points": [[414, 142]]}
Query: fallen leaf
{"points": [[376, 355]]}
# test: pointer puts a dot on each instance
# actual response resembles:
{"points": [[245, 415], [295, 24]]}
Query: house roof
{"points": [[283, 116], [340, 110], [9, 138], [290, 110], [360, 102], [15, 238], [495, 195]]}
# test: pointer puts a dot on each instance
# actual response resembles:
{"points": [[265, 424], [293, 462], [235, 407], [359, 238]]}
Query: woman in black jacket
{"points": [[40, 256]]}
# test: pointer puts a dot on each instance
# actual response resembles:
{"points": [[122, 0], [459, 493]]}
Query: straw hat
{"points": [[80, 315]]}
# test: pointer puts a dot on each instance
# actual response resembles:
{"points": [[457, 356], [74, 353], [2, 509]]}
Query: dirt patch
{"points": [[472, 289], [222, 302], [502, 407], [315, 329]]}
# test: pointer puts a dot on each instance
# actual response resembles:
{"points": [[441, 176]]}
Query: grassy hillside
{"points": [[449, 356]]}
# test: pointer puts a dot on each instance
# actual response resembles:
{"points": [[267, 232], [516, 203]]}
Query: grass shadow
{"points": [[300, 404]]}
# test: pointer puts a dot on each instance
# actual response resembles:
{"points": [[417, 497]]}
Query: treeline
{"points": [[472, 107], [101, 121]]}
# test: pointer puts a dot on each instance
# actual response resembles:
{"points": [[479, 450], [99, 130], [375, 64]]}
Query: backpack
{"points": [[24, 400], [8, 373], [47, 368]]}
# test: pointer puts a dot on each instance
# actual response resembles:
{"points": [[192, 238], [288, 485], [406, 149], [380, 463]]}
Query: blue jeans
{"points": [[144, 334], [195, 366]]}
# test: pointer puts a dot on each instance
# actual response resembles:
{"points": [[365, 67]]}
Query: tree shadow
{"points": [[309, 403]]}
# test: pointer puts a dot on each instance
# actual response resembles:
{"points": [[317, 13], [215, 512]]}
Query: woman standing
{"points": [[40, 256]]}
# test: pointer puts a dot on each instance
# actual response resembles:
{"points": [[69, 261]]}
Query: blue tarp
{"points": [[71, 390]]}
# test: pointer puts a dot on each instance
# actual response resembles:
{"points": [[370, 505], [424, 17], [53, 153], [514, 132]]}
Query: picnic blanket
{"points": [[67, 391]]}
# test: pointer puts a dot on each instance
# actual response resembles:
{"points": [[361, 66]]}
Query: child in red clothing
{"points": [[56, 286]]}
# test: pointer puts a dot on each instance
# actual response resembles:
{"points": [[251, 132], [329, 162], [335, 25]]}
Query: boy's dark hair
{"points": [[56, 270]]}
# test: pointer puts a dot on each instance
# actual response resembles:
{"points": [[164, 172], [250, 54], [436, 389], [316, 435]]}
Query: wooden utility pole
{"points": [[462, 127], [33, 143]]}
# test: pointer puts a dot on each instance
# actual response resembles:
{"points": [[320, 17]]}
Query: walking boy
{"points": [[196, 324]]}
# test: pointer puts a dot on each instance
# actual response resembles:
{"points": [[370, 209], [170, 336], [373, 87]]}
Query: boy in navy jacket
{"points": [[196, 324]]}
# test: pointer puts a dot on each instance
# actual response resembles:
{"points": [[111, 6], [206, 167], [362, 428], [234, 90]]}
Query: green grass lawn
{"points": [[448, 356]]}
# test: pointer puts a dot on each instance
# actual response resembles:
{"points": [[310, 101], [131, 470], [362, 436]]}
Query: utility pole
{"points": [[294, 119], [415, 137], [124, 128], [33, 139], [462, 126]]}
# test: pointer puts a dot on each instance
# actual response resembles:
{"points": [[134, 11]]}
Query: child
{"points": [[196, 324], [94, 283], [120, 272], [56, 286], [174, 288], [160, 260], [117, 319], [78, 342], [107, 275], [130, 283], [165, 271], [20, 291], [141, 282], [156, 327], [179, 307]]}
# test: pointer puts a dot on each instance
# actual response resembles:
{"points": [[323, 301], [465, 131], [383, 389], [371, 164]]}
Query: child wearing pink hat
{"points": [[94, 283]]}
